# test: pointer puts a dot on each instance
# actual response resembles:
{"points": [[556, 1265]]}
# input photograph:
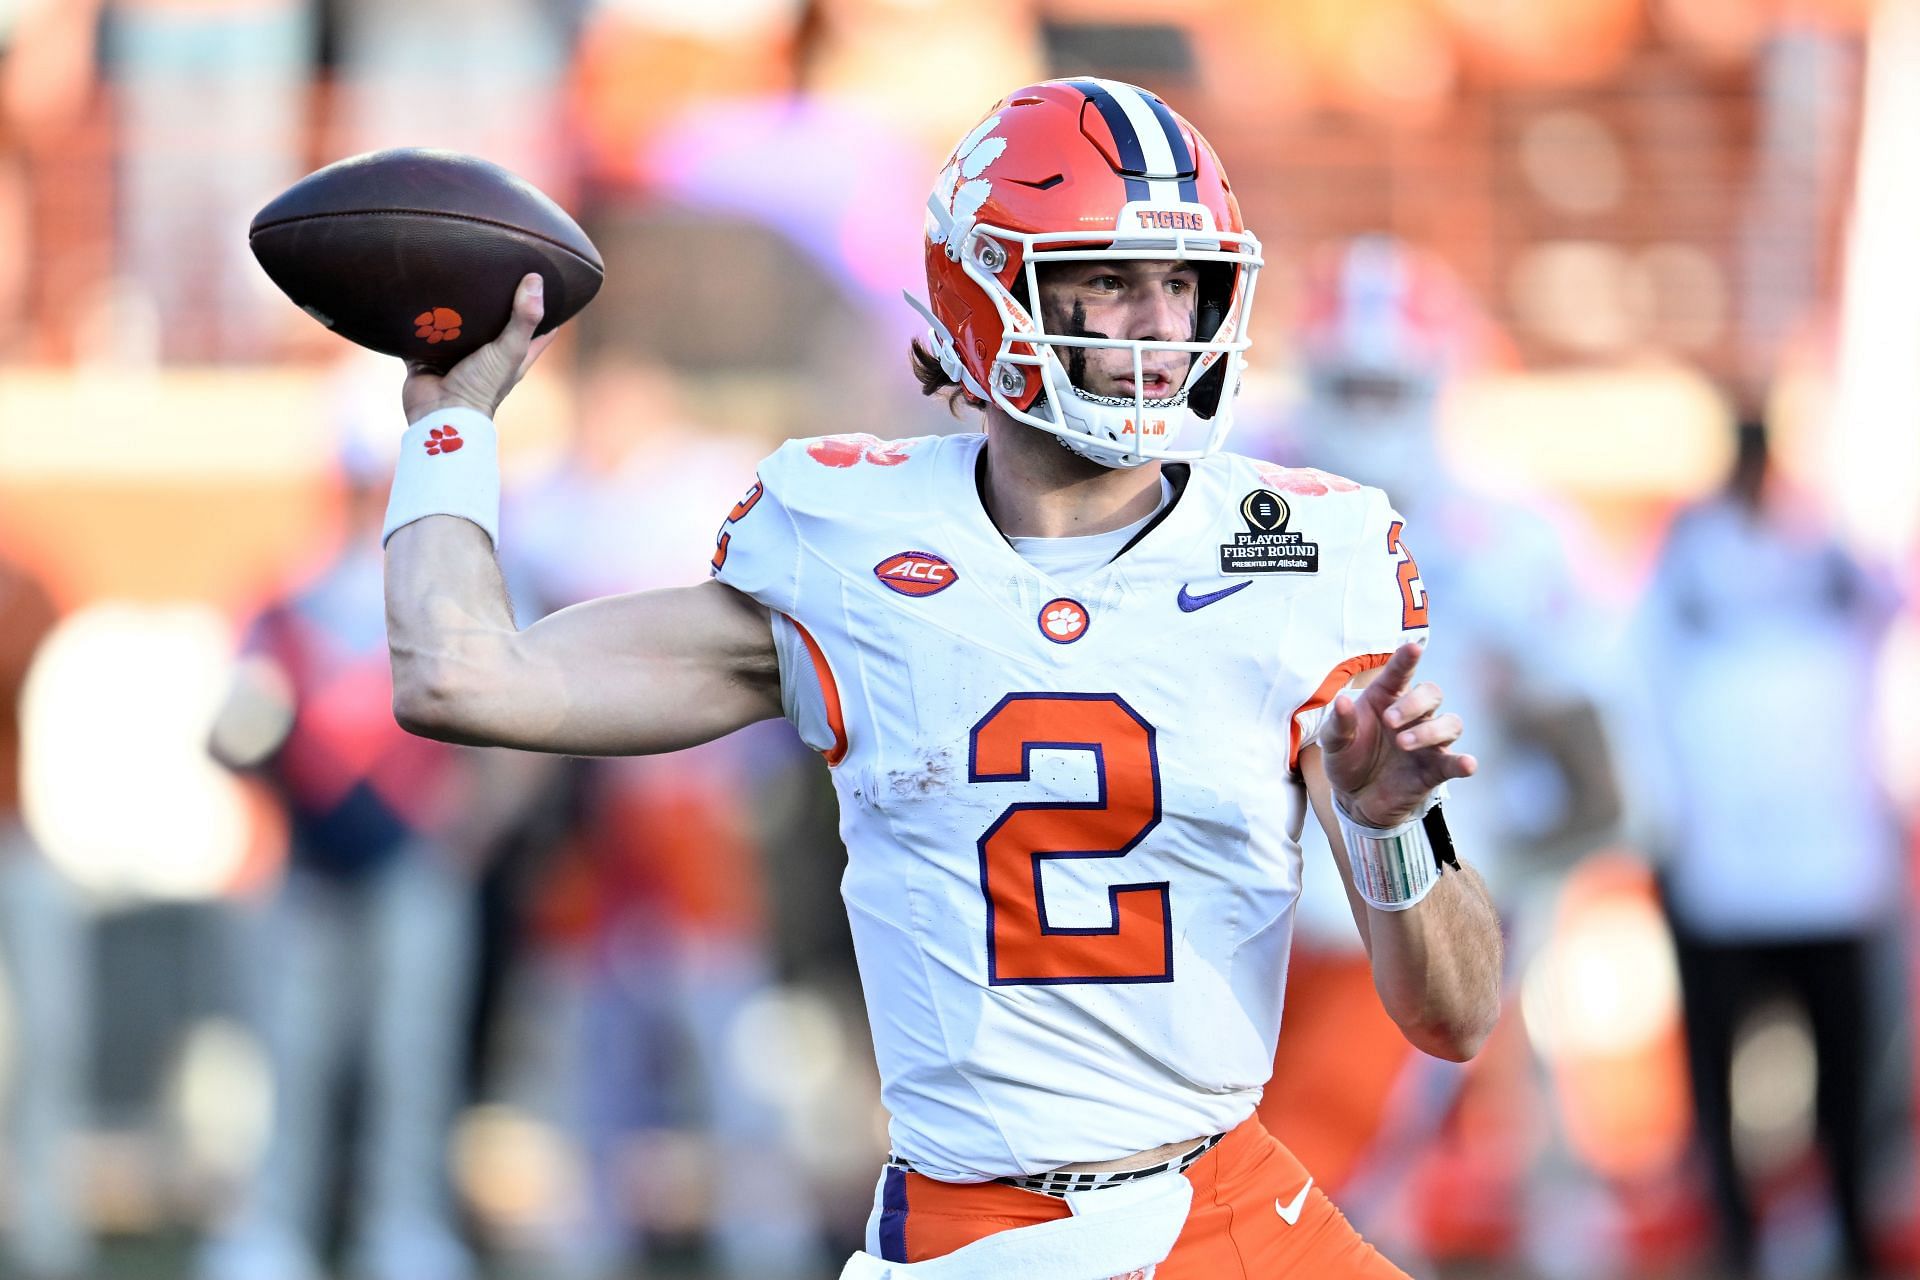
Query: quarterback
{"points": [[1081, 678]]}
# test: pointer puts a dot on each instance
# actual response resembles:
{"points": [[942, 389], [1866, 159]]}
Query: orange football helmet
{"points": [[1079, 170]]}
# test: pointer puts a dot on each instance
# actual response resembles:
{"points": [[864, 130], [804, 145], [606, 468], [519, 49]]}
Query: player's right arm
{"points": [[648, 672]]}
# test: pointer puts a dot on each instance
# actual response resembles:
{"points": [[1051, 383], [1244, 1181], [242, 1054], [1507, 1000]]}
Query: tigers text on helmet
{"points": [[1087, 170]]}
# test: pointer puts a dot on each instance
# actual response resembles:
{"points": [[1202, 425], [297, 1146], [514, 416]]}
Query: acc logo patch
{"points": [[916, 573], [1266, 546]]}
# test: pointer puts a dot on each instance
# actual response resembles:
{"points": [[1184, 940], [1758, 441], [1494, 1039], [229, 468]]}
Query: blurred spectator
{"points": [[46, 76], [366, 954], [876, 54], [472, 75], [1783, 866], [212, 97], [661, 912], [1385, 329], [642, 63], [43, 942]]}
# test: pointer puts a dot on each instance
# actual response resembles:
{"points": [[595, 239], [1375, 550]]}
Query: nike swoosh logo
{"points": [[1290, 1213], [1189, 601]]}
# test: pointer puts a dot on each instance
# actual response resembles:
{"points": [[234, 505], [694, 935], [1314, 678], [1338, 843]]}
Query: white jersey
{"points": [[1071, 814]]}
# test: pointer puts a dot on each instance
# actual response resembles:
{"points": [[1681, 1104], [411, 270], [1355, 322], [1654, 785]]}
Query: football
{"points": [[416, 252]]}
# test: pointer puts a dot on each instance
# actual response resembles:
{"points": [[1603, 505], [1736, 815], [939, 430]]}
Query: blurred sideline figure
{"points": [[209, 101], [494, 67], [1759, 635], [43, 944], [1384, 328], [364, 959], [46, 78], [657, 912]]}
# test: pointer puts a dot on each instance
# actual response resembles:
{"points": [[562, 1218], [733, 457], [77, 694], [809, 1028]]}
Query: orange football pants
{"points": [[1236, 1230]]}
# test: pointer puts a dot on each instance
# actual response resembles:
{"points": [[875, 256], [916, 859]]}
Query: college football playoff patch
{"points": [[1266, 546]]}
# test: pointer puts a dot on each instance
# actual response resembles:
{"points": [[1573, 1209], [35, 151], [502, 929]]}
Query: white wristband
{"points": [[1393, 867], [449, 466]]}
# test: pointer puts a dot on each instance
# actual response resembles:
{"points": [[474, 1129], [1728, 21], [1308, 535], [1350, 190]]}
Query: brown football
{"points": [[416, 252]]}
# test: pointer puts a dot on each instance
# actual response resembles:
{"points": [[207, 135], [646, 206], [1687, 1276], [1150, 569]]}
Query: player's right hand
{"points": [[1387, 749], [482, 380]]}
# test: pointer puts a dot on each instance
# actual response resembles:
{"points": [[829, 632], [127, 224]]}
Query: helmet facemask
{"points": [[1037, 376]]}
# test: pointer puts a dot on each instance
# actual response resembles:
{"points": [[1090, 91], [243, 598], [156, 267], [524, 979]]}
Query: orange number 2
{"points": [[1413, 592], [722, 539], [1023, 948]]}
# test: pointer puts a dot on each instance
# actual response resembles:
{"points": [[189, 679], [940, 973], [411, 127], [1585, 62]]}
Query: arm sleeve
{"points": [[757, 550], [1384, 606]]}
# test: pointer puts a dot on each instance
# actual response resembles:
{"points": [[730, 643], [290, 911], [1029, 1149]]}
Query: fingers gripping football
{"points": [[483, 379], [1387, 749]]}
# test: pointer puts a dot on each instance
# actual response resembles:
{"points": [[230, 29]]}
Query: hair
{"points": [[933, 379]]}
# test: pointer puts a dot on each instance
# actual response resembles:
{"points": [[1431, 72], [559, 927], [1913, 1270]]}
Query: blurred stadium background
{"points": [[1661, 214]]}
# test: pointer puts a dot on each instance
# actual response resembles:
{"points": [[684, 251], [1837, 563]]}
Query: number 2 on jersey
{"points": [[723, 539], [1023, 948], [1413, 592]]}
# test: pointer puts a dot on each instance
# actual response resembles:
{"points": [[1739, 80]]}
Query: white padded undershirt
{"points": [[1069, 560]]}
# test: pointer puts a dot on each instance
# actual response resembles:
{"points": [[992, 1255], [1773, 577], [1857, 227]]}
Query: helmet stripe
{"points": [[1166, 162], [1183, 159], [1126, 139]]}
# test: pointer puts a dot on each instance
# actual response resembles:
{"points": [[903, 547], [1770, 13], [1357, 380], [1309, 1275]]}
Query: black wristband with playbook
{"points": [[1434, 823]]}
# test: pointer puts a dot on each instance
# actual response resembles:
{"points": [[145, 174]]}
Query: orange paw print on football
{"points": [[442, 324], [443, 440]]}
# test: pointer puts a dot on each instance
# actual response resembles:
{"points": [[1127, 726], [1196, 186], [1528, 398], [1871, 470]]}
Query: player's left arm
{"points": [[1436, 964]]}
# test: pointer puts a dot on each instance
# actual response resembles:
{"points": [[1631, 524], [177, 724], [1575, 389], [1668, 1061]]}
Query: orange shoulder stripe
{"points": [[1337, 679]]}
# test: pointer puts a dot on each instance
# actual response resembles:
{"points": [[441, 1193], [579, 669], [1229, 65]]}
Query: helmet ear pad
{"points": [[1014, 280], [1217, 280]]}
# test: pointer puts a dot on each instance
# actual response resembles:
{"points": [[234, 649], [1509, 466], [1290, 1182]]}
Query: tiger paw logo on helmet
{"points": [[963, 199]]}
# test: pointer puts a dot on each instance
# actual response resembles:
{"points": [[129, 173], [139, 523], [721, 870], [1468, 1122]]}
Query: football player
{"points": [[1080, 678]]}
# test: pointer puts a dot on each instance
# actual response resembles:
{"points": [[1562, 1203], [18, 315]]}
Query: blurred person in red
{"points": [[1781, 866], [43, 944], [363, 962], [662, 901], [46, 78], [1385, 329]]}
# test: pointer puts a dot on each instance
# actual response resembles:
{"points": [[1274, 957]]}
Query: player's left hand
{"points": [[1386, 750]]}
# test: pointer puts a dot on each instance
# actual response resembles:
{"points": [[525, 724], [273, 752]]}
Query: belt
{"points": [[1059, 1182]]}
